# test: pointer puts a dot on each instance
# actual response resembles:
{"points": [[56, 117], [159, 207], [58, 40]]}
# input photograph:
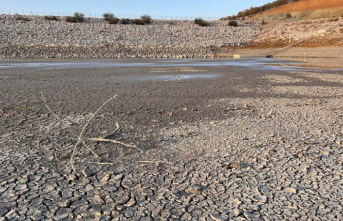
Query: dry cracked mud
{"points": [[246, 145]]}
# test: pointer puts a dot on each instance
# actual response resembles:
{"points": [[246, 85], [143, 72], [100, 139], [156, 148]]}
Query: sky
{"points": [[131, 8]]}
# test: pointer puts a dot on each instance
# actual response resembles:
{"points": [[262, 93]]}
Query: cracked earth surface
{"points": [[248, 145]]}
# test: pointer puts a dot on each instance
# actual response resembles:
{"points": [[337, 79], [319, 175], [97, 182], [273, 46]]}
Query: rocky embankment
{"points": [[302, 30], [95, 38]]}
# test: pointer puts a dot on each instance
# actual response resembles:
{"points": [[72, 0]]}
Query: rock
{"points": [[87, 173], [290, 190], [324, 153], [253, 207], [64, 203], [131, 202], [254, 215], [216, 217], [12, 214], [98, 199], [261, 198], [300, 155], [120, 207], [234, 165], [63, 213], [21, 187], [147, 192], [37, 217], [3, 211], [234, 212], [79, 203], [105, 178], [237, 202], [321, 32]]}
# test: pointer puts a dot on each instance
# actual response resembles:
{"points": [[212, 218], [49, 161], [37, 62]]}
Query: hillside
{"points": [[306, 9], [255, 10], [307, 5], [303, 9]]}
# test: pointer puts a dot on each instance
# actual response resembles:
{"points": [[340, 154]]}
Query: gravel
{"points": [[95, 38]]}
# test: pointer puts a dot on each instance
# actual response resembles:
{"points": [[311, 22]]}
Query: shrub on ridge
{"points": [[125, 21], [146, 19], [107, 16], [78, 17], [233, 23], [200, 22]]}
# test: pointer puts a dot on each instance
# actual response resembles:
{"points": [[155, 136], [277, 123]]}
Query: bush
{"points": [[138, 22], [125, 21], [146, 19], [107, 16], [288, 15], [113, 21], [233, 17], [233, 23], [200, 22], [71, 19], [78, 17], [51, 18], [22, 18]]}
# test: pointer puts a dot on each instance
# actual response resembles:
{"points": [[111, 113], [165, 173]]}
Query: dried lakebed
{"points": [[248, 144]]}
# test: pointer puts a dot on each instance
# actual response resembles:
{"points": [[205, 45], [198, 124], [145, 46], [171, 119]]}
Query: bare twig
{"points": [[96, 155], [155, 162], [114, 141], [83, 130], [47, 106], [111, 134], [59, 112], [81, 140], [102, 163]]}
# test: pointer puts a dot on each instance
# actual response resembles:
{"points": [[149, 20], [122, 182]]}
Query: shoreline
{"points": [[103, 52], [82, 52]]}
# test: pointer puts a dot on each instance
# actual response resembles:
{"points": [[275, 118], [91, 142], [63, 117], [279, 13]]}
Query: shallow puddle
{"points": [[254, 63], [139, 78]]}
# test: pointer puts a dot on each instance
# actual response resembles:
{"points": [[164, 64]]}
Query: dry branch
{"points": [[48, 106], [83, 130], [155, 162], [80, 139], [114, 141]]}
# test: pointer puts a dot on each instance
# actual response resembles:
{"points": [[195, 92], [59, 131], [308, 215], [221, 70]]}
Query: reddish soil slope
{"points": [[307, 5]]}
